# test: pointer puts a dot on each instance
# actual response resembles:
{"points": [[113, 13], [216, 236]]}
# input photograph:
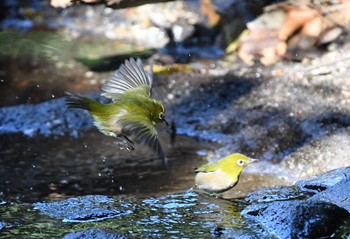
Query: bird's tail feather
{"points": [[77, 101]]}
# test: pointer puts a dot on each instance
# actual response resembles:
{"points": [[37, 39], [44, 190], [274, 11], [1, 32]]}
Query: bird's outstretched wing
{"points": [[210, 167], [130, 75], [146, 134]]}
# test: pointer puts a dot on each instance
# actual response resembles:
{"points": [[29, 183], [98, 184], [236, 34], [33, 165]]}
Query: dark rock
{"points": [[321, 182], [338, 195], [312, 208], [94, 233], [84, 209], [270, 216], [315, 219], [47, 118], [297, 218], [281, 193]]}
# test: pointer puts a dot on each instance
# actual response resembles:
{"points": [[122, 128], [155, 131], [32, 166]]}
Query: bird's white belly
{"points": [[112, 127], [214, 181]]}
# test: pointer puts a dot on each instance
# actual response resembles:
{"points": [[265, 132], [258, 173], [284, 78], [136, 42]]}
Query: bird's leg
{"points": [[126, 137], [124, 143]]}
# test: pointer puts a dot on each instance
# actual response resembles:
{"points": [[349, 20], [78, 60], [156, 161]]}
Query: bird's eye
{"points": [[240, 162], [161, 115]]}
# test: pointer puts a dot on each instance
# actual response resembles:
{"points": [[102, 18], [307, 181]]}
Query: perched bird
{"points": [[132, 111], [221, 176]]}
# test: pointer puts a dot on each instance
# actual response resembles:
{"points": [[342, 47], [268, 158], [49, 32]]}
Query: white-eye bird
{"points": [[221, 176], [132, 111]]}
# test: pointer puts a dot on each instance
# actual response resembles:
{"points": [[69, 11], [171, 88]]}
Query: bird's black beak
{"points": [[166, 122]]}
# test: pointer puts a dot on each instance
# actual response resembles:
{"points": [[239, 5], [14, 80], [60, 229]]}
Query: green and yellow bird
{"points": [[132, 111], [221, 176]]}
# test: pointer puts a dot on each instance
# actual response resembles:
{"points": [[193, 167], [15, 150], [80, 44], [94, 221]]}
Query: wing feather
{"points": [[129, 76], [134, 72], [146, 134], [210, 167], [141, 74]]}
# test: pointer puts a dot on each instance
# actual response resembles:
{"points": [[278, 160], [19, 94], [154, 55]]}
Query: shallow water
{"points": [[185, 215], [145, 201], [50, 168]]}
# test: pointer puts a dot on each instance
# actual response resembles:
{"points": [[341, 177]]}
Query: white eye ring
{"points": [[240, 162], [161, 115]]}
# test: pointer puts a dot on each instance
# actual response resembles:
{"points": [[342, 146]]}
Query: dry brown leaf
{"points": [[303, 26], [295, 19]]}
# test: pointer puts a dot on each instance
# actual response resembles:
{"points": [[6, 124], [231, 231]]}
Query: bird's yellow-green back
{"points": [[232, 165]]}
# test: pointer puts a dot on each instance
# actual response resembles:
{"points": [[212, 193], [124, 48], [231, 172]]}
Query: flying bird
{"points": [[132, 112]]}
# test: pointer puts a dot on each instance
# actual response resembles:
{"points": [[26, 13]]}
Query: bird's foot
{"points": [[124, 144]]}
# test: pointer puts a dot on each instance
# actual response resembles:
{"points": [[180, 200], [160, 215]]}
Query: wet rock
{"points": [[298, 219], [181, 215], [312, 208], [84, 209], [47, 118], [324, 181], [94, 233], [281, 193], [338, 194]]}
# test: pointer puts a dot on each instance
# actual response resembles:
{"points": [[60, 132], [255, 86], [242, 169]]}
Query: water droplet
{"points": [[64, 181], [99, 174], [53, 96], [121, 188], [37, 86], [202, 153], [170, 96], [85, 146], [33, 166]]}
